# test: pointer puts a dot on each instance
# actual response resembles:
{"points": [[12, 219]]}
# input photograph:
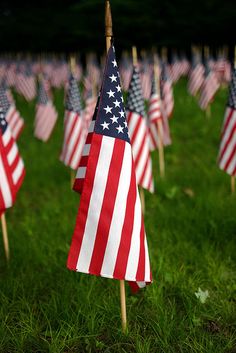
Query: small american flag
{"points": [[13, 118], [227, 154], [196, 76], [109, 237], [166, 92], [139, 135], [26, 83], [12, 169], [46, 115], [74, 134], [208, 88]]}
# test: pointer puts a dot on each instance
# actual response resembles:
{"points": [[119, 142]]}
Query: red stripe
{"points": [[6, 166], [72, 129], [84, 203], [140, 275], [76, 145], [107, 207], [140, 150], [228, 141], [144, 170], [227, 121], [126, 235], [232, 155]]}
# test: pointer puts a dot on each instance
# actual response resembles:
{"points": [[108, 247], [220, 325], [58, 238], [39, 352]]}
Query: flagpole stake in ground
{"points": [[159, 122], [232, 184], [5, 236], [109, 34]]}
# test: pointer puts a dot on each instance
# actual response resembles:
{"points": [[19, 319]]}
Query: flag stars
{"points": [[122, 114], [116, 103], [108, 109], [120, 129], [114, 63], [113, 78], [114, 119], [125, 123], [105, 125], [118, 88], [111, 93]]}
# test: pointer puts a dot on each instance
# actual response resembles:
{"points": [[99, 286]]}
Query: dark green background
{"points": [[79, 25]]}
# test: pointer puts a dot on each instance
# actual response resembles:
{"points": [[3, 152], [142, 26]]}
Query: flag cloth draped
{"points": [[109, 238], [74, 132], [12, 169], [139, 135], [208, 88], [227, 154], [46, 115]]}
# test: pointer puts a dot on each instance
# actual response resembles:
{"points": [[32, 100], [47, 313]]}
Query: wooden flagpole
{"points": [[141, 192], [72, 68], [109, 34], [159, 122], [5, 236]]}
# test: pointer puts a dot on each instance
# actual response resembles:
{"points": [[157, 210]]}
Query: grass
{"points": [[191, 234]]}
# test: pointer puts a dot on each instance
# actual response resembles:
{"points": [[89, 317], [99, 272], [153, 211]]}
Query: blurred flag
{"points": [[74, 134], [227, 154], [139, 134], [209, 87], [109, 237], [26, 84], [12, 170], [155, 114], [166, 92], [196, 76], [46, 115], [13, 118]]}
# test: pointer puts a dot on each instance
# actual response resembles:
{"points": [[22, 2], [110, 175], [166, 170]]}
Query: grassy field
{"points": [[191, 229]]}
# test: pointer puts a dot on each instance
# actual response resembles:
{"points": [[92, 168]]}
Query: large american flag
{"points": [[139, 134], [109, 237], [13, 118], [227, 154], [209, 87], [74, 134], [46, 115], [12, 169]]}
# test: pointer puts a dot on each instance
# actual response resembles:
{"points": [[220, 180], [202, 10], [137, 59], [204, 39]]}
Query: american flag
{"points": [[109, 237], [12, 169], [227, 154], [155, 114], [209, 88], [196, 76], [90, 104], [146, 79], [46, 115], [26, 83], [13, 118], [74, 134], [166, 92], [139, 135]]}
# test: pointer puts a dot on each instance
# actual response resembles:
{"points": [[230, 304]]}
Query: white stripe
{"points": [[81, 173], [12, 154], [6, 137], [73, 139], [4, 186], [78, 152], [118, 216], [86, 149], [95, 205], [18, 171], [133, 259], [142, 160]]}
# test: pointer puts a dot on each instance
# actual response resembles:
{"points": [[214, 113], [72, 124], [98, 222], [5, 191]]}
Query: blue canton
{"points": [[4, 102], [3, 123], [42, 94], [232, 90], [110, 111], [135, 101], [73, 100]]}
